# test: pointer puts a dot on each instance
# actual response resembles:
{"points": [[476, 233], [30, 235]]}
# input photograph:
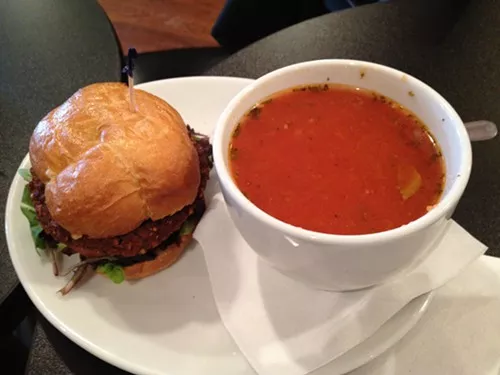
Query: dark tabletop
{"points": [[453, 45], [48, 50]]}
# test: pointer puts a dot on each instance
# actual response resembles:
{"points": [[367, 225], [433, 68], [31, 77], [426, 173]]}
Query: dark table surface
{"points": [[48, 50], [453, 45]]}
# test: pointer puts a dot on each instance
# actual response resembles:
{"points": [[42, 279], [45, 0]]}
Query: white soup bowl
{"points": [[346, 262]]}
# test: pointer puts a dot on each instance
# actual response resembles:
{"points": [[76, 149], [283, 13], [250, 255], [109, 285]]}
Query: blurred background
{"points": [[158, 25]]}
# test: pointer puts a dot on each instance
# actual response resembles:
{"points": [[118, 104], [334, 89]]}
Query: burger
{"points": [[121, 187]]}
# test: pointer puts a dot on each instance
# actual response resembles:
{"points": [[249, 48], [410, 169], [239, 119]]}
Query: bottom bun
{"points": [[164, 259]]}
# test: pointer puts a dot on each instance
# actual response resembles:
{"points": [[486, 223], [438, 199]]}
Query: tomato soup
{"points": [[336, 159]]}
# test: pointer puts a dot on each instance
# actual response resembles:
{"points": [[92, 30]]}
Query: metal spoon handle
{"points": [[481, 130]]}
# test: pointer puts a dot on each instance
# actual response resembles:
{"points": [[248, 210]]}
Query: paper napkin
{"points": [[285, 327], [458, 335]]}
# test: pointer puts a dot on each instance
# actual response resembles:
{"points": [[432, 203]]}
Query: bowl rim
{"points": [[438, 212]]}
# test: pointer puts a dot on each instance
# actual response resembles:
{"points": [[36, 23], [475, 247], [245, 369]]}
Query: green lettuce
{"points": [[113, 271], [28, 210], [188, 227], [61, 246], [25, 174]]}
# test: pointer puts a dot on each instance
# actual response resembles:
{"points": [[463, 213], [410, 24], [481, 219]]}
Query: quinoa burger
{"points": [[123, 189]]}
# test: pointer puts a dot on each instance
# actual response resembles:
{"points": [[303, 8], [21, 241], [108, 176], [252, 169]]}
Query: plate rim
{"points": [[420, 306], [159, 82], [115, 360]]}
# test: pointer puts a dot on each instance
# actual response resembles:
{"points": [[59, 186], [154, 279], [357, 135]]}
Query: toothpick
{"points": [[131, 93], [129, 69]]}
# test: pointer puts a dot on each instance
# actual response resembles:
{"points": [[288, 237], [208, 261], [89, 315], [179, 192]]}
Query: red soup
{"points": [[336, 159]]}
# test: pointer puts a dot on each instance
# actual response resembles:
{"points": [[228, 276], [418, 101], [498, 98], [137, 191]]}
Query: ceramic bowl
{"points": [[346, 262]]}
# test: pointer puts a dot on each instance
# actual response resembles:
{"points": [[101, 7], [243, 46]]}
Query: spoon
{"points": [[481, 130]]}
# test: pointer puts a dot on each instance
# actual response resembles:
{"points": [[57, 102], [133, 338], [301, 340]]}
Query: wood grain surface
{"points": [[156, 25]]}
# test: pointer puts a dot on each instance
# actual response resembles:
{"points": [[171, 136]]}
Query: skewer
{"points": [[129, 70]]}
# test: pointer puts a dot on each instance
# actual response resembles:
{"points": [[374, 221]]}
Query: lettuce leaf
{"points": [[25, 174], [28, 210], [188, 227], [61, 246], [113, 271]]}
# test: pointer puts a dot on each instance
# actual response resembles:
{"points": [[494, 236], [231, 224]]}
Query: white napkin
{"points": [[459, 334], [284, 327]]}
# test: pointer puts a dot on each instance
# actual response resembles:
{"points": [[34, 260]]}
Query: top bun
{"points": [[106, 169]]}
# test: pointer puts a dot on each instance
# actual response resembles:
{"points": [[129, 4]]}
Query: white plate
{"points": [[167, 323]]}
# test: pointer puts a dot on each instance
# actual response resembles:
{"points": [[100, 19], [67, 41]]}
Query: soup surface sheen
{"points": [[336, 159]]}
